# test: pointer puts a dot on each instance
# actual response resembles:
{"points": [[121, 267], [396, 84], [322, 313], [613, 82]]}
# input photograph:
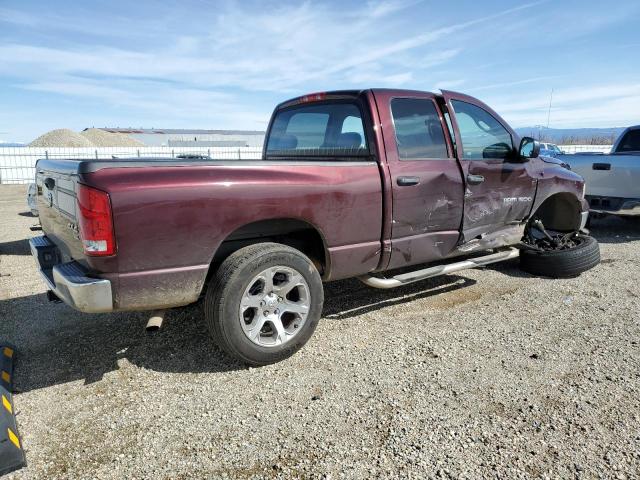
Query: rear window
{"points": [[318, 130], [419, 133], [630, 142]]}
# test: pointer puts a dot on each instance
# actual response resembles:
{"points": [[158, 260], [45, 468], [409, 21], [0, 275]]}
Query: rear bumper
{"points": [[614, 205], [69, 281]]}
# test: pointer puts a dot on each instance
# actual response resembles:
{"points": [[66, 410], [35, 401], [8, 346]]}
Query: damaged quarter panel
{"points": [[553, 179]]}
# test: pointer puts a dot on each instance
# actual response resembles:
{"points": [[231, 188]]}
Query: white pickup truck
{"points": [[613, 179]]}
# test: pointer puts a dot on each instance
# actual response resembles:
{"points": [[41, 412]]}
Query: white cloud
{"points": [[216, 69], [288, 48], [379, 9], [609, 105], [449, 84]]}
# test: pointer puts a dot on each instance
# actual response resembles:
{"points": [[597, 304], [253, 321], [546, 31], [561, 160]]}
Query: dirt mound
{"points": [[101, 138], [62, 137], [92, 137]]}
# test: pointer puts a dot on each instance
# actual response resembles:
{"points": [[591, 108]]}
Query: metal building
{"points": [[176, 137]]}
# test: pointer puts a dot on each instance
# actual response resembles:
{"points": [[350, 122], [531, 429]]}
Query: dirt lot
{"points": [[486, 373]]}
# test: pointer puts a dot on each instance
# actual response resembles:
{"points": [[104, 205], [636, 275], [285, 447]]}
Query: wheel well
{"points": [[288, 231], [560, 212]]}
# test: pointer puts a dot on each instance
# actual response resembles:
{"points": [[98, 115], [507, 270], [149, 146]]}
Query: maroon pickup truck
{"points": [[350, 184]]}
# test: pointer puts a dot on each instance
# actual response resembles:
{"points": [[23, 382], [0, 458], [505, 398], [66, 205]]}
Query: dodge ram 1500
{"points": [[350, 184]]}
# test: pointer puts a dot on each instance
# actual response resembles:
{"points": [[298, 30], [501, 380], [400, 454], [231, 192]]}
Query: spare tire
{"points": [[570, 262]]}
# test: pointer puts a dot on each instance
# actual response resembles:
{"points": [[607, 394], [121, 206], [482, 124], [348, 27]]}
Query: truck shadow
{"points": [[16, 247], [350, 298], [611, 229], [56, 344]]}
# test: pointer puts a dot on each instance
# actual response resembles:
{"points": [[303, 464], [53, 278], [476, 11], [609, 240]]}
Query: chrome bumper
{"points": [[69, 280], [629, 207], [584, 217], [614, 205]]}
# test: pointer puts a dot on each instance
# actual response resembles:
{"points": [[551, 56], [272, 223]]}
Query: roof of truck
{"points": [[338, 94]]}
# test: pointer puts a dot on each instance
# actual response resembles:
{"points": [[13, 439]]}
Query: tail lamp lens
{"points": [[95, 221]]}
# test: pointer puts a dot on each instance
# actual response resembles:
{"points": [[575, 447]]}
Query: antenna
{"points": [[549, 111]]}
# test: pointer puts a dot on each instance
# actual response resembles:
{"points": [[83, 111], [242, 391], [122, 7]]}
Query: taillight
{"points": [[95, 221], [313, 97]]}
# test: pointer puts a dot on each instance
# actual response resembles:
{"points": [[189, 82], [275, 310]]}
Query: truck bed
{"points": [[156, 200]]}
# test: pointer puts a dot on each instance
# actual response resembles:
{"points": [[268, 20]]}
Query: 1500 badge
{"points": [[510, 200]]}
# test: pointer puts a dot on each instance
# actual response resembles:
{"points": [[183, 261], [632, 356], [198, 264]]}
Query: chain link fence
{"points": [[17, 164]]}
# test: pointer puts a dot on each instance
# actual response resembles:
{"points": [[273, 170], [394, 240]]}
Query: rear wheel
{"points": [[263, 303], [577, 254]]}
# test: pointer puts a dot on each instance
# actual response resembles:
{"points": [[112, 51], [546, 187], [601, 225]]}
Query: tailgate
{"points": [[57, 185]]}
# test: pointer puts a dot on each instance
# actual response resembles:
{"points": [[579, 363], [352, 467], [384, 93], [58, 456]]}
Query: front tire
{"points": [[264, 303], [567, 263]]}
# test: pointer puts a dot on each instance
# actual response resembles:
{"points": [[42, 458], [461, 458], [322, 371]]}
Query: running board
{"points": [[406, 278]]}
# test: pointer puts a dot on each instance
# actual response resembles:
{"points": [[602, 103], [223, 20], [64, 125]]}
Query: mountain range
{"points": [[572, 135]]}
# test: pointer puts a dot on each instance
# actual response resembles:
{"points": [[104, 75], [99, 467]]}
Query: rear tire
{"points": [[263, 303], [562, 263]]}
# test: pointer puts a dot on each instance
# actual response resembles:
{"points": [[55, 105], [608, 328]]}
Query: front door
{"points": [[499, 189], [427, 190]]}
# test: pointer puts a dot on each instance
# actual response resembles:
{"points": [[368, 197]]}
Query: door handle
{"points": [[407, 181], [602, 166], [475, 179]]}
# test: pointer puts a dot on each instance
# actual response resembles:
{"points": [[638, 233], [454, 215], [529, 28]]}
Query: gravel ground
{"points": [[100, 138], [486, 373], [61, 137]]}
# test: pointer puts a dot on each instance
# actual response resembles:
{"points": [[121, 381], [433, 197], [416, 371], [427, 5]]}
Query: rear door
{"points": [[427, 190], [499, 188]]}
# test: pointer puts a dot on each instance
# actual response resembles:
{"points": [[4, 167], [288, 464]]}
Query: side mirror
{"points": [[529, 148]]}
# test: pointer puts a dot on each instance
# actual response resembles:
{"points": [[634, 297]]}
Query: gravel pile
{"points": [[487, 373], [62, 137], [100, 138], [92, 137]]}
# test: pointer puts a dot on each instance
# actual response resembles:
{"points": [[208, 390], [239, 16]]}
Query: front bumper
{"points": [[584, 218], [69, 281], [614, 205]]}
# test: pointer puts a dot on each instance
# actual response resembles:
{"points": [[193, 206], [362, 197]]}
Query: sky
{"points": [[226, 64]]}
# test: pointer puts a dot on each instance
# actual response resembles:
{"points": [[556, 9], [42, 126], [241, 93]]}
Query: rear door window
{"points": [[419, 133], [313, 130]]}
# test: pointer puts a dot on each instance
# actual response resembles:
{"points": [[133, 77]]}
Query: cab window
{"points": [[332, 129], [630, 142], [483, 137], [418, 129]]}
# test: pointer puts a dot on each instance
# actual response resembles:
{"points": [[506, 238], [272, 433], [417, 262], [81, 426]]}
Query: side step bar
{"points": [[406, 278]]}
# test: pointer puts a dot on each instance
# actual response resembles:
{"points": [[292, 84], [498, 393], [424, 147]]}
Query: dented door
{"points": [[499, 188], [427, 189]]}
